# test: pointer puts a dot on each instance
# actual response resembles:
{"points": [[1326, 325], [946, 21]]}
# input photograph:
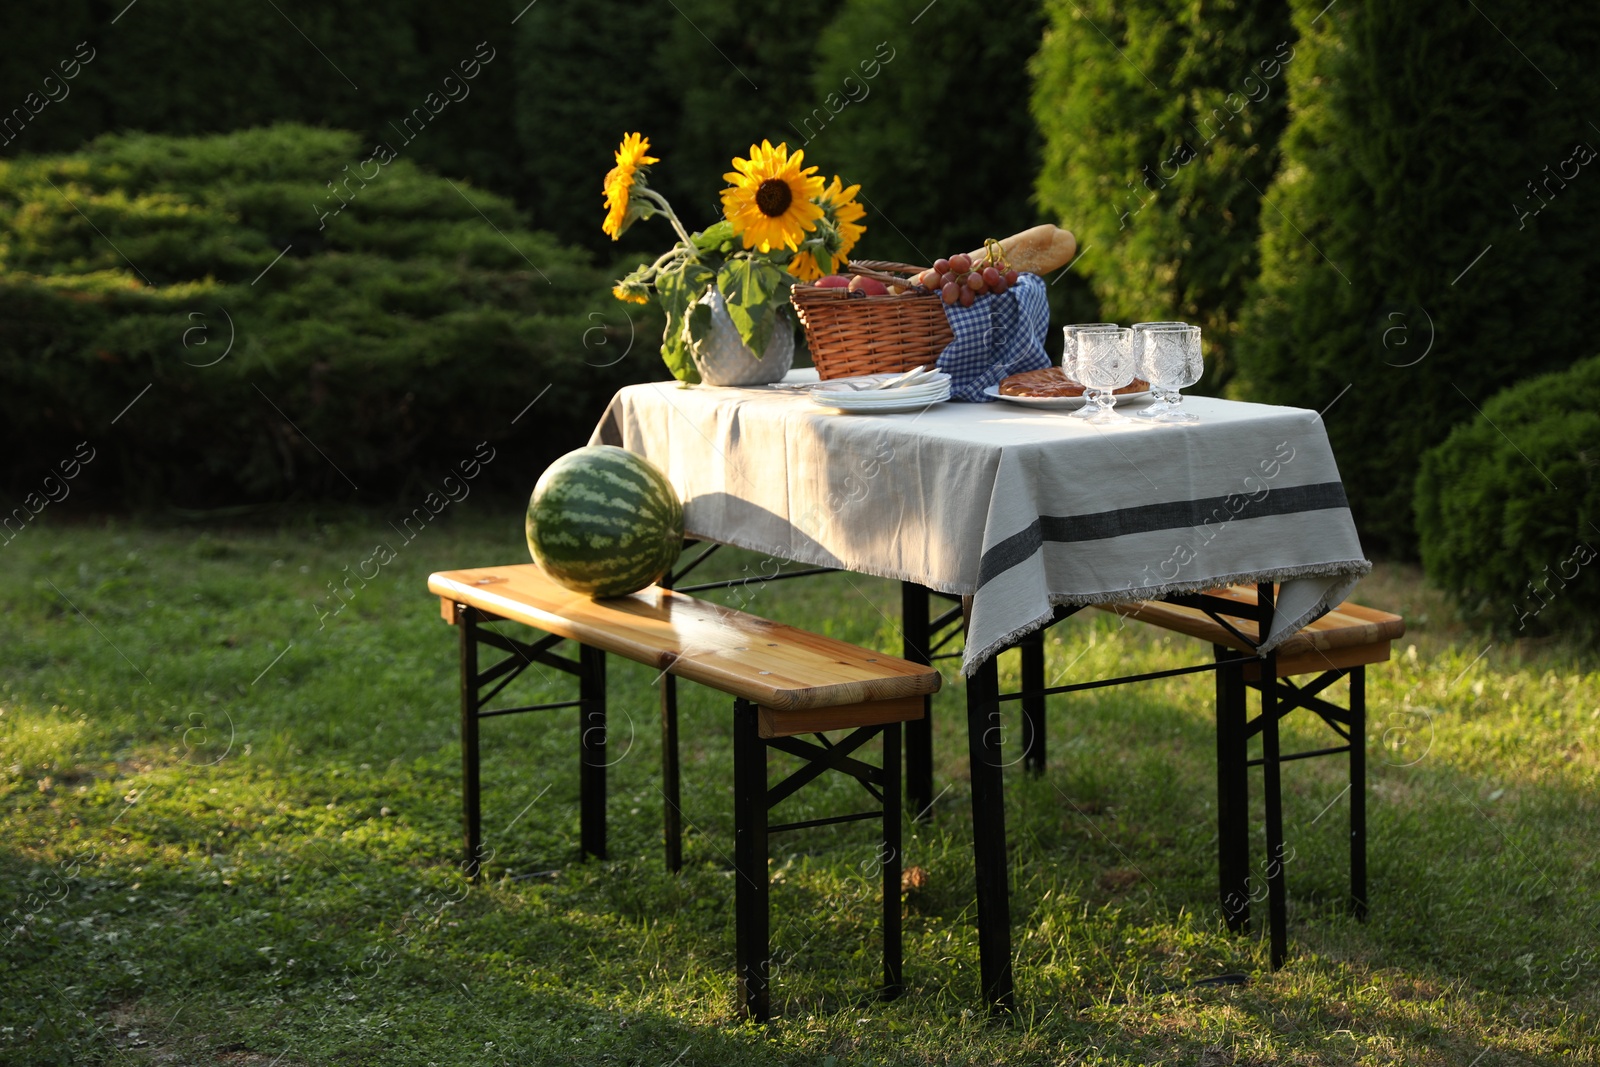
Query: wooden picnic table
{"points": [[1024, 515]]}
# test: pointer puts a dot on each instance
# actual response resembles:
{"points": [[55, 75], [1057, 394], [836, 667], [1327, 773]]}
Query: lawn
{"points": [[232, 834]]}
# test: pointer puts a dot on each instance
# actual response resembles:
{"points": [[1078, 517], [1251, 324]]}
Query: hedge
{"points": [[1161, 122], [1508, 507], [1423, 250], [369, 345]]}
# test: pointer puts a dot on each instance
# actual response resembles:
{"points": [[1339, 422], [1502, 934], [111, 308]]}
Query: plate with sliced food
{"points": [[1051, 388]]}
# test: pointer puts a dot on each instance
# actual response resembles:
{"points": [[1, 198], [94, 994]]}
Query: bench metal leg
{"points": [[1358, 792], [919, 732], [984, 731], [1277, 897], [471, 811], [751, 951], [671, 814], [1033, 724], [592, 750], [1233, 793], [893, 973]]}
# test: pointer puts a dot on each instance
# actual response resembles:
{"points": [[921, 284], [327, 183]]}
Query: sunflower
{"points": [[769, 199], [846, 213], [619, 181], [839, 207]]}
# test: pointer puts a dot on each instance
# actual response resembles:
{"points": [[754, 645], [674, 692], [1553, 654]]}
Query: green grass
{"points": [[230, 836]]}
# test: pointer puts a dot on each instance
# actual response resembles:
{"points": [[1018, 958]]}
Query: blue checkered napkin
{"points": [[999, 335]]}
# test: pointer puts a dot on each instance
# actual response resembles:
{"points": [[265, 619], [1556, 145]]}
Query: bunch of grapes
{"points": [[959, 280]]}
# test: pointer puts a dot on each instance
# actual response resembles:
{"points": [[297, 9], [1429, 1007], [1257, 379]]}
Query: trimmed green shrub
{"points": [[1508, 507], [1430, 238], [209, 317], [206, 66], [1161, 122]]}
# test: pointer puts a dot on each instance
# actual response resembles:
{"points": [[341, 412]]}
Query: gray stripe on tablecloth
{"points": [[1150, 518]]}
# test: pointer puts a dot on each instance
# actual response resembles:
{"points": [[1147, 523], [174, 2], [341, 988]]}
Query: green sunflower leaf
{"points": [[756, 290], [678, 292], [712, 238]]}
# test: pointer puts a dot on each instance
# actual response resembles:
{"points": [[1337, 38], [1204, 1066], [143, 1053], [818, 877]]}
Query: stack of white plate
{"points": [[863, 396]]}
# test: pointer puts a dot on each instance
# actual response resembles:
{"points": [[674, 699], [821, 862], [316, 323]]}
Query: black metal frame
{"points": [[754, 802], [590, 670], [753, 799], [671, 778], [1234, 730], [1279, 696], [924, 636]]}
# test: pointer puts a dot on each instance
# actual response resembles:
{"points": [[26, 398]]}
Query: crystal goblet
{"points": [[1069, 349], [1106, 363], [1169, 358]]}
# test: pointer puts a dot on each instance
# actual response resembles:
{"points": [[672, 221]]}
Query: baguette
{"points": [[1037, 251]]}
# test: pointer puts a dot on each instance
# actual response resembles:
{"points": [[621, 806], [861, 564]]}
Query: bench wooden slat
{"points": [[779, 667], [777, 723], [1347, 636]]}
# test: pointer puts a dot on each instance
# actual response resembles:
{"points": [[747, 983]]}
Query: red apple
{"points": [[833, 281], [870, 286]]}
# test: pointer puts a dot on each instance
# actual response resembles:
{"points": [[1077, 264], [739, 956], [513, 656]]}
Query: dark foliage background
{"points": [[210, 66], [1161, 123], [1414, 135]]}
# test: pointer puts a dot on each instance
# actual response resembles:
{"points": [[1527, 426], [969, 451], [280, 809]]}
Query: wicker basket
{"points": [[851, 334]]}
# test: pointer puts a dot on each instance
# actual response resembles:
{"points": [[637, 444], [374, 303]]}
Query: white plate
{"points": [[855, 404], [1059, 403], [853, 394], [896, 399], [863, 385]]}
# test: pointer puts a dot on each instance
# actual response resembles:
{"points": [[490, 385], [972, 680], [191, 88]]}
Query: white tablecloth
{"points": [[1021, 508]]}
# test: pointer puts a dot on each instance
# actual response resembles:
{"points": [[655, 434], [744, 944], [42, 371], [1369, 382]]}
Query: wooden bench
{"points": [[784, 681], [1342, 643]]}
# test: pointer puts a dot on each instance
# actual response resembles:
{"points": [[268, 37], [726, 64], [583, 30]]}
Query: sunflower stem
{"points": [[666, 209]]}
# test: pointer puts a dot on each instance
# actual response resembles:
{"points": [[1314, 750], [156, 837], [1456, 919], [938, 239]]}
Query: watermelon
{"points": [[604, 521]]}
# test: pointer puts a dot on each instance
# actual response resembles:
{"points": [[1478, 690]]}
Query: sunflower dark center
{"points": [[773, 197]]}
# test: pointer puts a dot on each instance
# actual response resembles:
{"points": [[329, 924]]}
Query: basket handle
{"points": [[884, 271]]}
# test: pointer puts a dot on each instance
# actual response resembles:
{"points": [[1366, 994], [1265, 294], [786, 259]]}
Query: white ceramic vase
{"points": [[724, 359]]}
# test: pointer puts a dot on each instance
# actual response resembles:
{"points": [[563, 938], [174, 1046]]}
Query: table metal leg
{"points": [[1233, 793], [984, 731], [893, 973], [592, 750], [671, 814], [751, 959], [1358, 792], [919, 732], [1031, 649], [471, 810], [1277, 898]]}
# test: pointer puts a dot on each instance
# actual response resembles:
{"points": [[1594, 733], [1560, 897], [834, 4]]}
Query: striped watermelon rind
{"points": [[604, 522]]}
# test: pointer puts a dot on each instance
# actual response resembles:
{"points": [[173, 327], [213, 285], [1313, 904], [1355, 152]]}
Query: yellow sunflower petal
{"points": [[619, 181], [770, 197], [842, 209], [805, 267]]}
